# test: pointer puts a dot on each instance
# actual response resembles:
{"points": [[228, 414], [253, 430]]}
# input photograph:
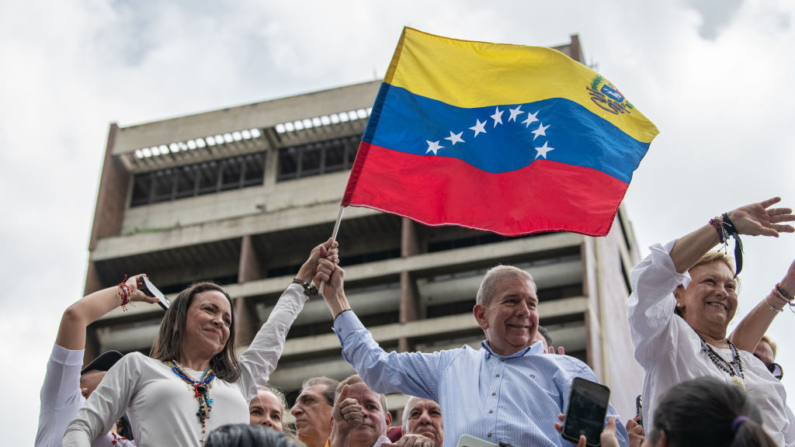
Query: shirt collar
{"points": [[535, 348]]}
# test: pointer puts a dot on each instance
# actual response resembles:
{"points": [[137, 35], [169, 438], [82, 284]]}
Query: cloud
{"points": [[715, 15]]}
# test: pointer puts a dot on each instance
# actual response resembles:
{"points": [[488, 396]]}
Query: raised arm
{"points": [[749, 332], [259, 361], [72, 331], [756, 219]]}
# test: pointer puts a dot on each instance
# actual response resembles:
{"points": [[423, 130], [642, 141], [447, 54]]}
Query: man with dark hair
{"points": [[361, 418], [507, 391], [312, 411]]}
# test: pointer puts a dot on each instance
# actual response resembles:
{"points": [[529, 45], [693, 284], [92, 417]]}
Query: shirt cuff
{"points": [[345, 325], [660, 255], [67, 357]]}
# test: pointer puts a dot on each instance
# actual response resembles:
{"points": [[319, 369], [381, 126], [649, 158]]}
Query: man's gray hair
{"points": [[407, 410], [488, 287]]}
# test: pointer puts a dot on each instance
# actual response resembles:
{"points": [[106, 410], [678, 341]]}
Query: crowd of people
{"points": [[702, 386]]}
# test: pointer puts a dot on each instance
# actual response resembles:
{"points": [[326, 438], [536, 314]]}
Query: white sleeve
{"points": [[60, 394], [259, 361], [789, 436], [650, 307], [107, 403]]}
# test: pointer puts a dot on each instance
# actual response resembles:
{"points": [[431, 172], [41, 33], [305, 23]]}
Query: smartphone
{"points": [[585, 415], [639, 408], [471, 441], [149, 289]]}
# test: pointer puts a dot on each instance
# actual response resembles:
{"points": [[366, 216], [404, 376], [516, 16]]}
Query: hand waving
{"points": [[758, 219]]}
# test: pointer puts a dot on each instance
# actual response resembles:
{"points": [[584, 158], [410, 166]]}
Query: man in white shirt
{"points": [[66, 387]]}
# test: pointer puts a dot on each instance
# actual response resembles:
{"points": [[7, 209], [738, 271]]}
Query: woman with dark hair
{"points": [[683, 297], [707, 412], [193, 382], [242, 435]]}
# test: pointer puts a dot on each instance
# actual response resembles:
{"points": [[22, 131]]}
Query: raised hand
{"points": [[327, 250], [758, 219], [347, 413], [135, 284]]}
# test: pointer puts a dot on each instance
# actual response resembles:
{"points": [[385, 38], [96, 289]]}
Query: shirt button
{"points": [[498, 375], [491, 411], [489, 435], [532, 376], [502, 360], [493, 394]]}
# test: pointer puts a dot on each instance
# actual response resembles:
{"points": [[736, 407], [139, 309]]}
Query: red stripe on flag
{"points": [[544, 196]]}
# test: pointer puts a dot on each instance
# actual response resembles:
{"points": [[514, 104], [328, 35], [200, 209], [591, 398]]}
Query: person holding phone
{"points": [[193, 381], [684, 297], [66, 387], [508, 391]]}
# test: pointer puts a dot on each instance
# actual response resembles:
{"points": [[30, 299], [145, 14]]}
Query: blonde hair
{"points": [[767, 340], [716, 256]]}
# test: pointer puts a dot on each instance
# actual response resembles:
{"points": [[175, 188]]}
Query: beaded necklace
{"points": [[733, 368], [201, 390]]}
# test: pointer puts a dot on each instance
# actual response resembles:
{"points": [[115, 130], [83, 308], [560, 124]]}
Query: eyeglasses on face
{"points": [[774, 369]]}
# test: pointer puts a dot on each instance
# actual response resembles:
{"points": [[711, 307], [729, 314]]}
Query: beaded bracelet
{"points": [[717, 223], [124, 293], [783, 293]]}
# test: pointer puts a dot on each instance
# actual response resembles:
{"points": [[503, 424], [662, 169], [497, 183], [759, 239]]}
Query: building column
{"points": [[409, 293], [247, 323]]}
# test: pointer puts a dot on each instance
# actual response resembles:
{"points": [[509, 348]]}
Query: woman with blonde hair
{"points": [[682, 301]]}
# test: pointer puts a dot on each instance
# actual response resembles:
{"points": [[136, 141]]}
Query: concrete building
{"points": [[241, 195]]}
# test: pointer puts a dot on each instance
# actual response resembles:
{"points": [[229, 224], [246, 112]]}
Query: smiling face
{"points": [[312, 416], [207, 324], [266, 409], [376, 419], [710, 300], [425, 418], [510, 318]]}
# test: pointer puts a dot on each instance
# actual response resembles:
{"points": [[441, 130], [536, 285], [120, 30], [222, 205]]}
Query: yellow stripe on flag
{"points": [[473, 74]]}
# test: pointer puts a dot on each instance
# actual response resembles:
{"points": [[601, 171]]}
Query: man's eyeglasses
{"points": [[774, 369]]}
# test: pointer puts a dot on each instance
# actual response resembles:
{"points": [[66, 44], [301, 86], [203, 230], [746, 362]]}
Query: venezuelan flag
{"points": [[505, 138]]}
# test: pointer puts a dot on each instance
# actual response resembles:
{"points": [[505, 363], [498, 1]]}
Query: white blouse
{"points": [[162, 408], [670, 350]]}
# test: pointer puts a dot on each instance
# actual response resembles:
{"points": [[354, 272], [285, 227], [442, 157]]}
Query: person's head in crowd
{"points": [[766, 350], [542, 335], [93, 373], [312, 411], [243, 435], [268, 408], [423, 417], [200, 323], [506, 309], [709, 301], [707, 412], [375, 415]]}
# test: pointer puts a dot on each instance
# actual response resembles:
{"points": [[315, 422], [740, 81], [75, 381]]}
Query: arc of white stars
{"points": [[531, 118], [497, 117], [479, 127], [543, 150], [515, 113], [433, 146], [455, 138], [541, 131]]}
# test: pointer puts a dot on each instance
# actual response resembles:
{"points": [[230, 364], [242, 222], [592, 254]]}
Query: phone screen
{"points": [[586, 412]]}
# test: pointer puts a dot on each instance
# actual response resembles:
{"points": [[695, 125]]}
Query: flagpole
{"points": [[333, 238]]}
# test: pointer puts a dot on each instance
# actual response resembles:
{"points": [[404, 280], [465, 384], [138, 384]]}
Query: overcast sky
{"points": [[716, 77]]}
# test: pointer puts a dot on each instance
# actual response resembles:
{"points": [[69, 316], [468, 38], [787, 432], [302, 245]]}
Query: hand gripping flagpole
{"points": [[333, 238]]}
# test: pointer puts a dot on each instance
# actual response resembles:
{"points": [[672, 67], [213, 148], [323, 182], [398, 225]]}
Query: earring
{"points": [[678, 304]]}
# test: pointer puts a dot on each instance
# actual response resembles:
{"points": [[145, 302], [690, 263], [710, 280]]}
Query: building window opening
{"points": [[198, 179], [313, 159]]}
